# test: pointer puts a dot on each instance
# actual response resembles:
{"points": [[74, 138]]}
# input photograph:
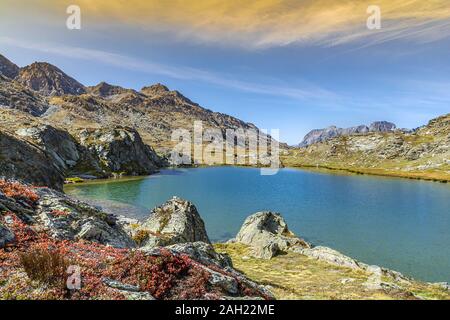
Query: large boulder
{"points": [[268, 234], [176, 221], [69, 219]]}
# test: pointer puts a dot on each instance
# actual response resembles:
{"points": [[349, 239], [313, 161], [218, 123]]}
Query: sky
{"points": [[292, 65]]}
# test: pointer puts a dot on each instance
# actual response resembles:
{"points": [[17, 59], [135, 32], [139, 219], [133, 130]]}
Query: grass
{"points": [[293, 276]]}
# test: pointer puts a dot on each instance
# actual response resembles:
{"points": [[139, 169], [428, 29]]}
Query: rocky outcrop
{"points": [[328, 255], [48, 80], [120, 150], [268, 234], [59, 144], [20, 159], [202, 252], [69, 219], [322, 135], [32, 219], [15, 96], [7, 68], [176, 221]]}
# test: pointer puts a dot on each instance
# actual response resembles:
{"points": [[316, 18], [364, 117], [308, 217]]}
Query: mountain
{"points": [[7, 68], [13, 95], [423, 153], [104, 90], [321, 135], [155, 112], [101, 131], [48, 80]]}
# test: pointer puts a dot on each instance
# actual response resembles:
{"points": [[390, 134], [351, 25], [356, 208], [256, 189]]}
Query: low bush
{"points": [[47, 267]]}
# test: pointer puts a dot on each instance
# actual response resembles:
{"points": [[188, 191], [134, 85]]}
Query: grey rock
{"points": [[59, 144], [328, 255], [227, 283], [119, 285], [322, 135], [268, 234], [176, 221], [77, 220], [7, 68], [6, 236], [201, 252], [120, 149], [22, 160], [382, 126]]}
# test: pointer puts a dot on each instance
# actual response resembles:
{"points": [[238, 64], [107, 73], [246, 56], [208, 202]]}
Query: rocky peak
{"points": [[382, 126], [104, 89], [7, 68], [322, 135], [155, 90], [49, 80]]}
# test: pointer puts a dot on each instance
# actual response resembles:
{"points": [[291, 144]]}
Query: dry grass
{"points": [[294, 276], [46, 267]]}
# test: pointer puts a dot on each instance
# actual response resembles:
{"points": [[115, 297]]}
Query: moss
{"points": [[74, 180]]}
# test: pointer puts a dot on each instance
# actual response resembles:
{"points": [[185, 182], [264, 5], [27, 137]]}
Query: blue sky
{"points": [[286, 82]]}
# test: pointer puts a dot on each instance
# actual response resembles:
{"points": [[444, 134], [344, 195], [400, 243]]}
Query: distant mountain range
{"points": [[321, 135]]}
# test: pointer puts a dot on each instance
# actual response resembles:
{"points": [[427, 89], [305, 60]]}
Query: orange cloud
{"points": [[267, 23]]}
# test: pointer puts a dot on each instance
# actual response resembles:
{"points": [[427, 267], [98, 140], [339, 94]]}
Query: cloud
{"points": [[307, 91], [269, 23]]}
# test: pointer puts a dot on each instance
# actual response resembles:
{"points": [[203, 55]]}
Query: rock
{"points": [[443, 285], [328, 255], [7, 68], [59, 144], [6, 236], [69, 219], [119, 285], [120, 150], [268, 234], [176, 221], [48, 80], [382, 126], [322, 135], [22, 160], [202, 252], [226, 283]]}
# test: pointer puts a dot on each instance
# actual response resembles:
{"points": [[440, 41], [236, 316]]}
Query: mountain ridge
{"points": [[321, 135]]}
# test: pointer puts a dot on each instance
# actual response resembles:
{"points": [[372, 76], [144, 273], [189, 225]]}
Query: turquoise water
{"points": [[400, 224]]}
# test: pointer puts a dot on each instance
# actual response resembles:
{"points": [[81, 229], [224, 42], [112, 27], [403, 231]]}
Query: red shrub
{"points": [[18, 191]]}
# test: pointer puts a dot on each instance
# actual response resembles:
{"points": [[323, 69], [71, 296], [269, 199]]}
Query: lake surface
{"points": [[399, 224]]}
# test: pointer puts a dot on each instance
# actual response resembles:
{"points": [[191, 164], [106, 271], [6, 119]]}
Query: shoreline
{"points": [[374, 172], [309, 168]]}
